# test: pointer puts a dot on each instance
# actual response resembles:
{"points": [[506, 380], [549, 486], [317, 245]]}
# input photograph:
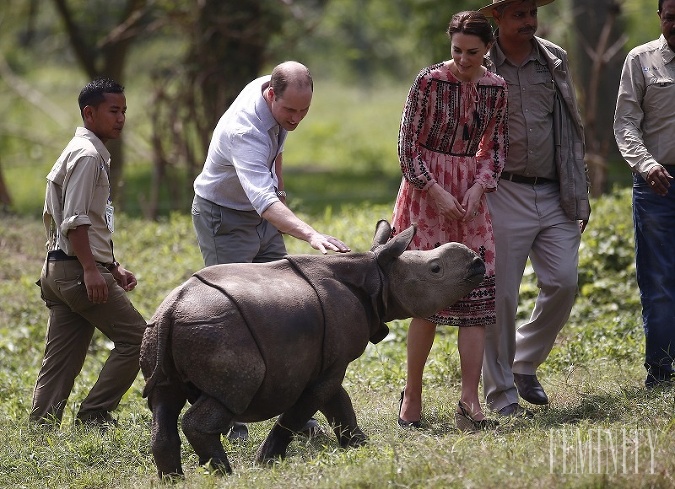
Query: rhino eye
{"points": [[435, 268]]}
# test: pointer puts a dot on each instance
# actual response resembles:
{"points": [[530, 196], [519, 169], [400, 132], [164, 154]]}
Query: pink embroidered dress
{"points": [[453, 133]]}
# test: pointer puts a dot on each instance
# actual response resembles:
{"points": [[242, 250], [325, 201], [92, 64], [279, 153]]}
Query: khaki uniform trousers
{"points": [[528, 221], [72, 319]]}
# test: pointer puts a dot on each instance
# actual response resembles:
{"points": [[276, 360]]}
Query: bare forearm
{"points": [[79, 239], [287, 222]]}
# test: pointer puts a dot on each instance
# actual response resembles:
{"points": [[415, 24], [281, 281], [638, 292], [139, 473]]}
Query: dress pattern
{"points": [[453, 133]]}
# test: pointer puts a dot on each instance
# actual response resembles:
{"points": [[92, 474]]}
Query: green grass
{"points": [[593, 377]]}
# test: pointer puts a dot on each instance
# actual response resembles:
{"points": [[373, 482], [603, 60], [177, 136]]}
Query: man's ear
{"points": [[88, 113]]}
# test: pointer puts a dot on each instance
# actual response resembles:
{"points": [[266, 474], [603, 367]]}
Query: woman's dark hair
{"points": [[473, 23], [94, 92]]}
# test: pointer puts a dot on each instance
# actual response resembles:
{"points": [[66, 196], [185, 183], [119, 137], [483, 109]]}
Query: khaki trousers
{"points": [[70, 328], [528, 222]]}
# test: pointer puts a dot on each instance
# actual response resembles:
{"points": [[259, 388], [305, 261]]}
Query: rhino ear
{"points": [[382, 234], [395, 246]]}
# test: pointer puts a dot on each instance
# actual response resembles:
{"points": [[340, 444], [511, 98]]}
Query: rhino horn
{"points": [[395, 247]]}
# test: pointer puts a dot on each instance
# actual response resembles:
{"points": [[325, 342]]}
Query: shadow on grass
{"points": [[629, 405]]}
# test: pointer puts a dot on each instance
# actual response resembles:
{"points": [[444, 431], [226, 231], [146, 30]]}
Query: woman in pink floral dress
{"points": [[452, 147]]}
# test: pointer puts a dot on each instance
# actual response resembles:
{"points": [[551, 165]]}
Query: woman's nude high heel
{"points": [[465, 421]]}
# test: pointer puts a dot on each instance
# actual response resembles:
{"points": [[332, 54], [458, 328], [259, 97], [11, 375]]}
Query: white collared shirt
{"points": [[239, 170]]}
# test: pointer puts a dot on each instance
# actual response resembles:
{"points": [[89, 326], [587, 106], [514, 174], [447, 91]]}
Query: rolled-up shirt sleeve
{"points": [[82, 176], [250, 152]]}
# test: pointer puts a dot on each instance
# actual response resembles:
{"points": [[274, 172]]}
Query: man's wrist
{"points": [[112, 266]]}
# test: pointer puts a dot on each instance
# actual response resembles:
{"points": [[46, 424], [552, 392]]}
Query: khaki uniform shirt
{"points": [[644, 121], [78, 194], [531, 99]]}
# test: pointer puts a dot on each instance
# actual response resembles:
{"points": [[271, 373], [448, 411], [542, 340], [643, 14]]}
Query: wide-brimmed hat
{"points": [[487, 10]]}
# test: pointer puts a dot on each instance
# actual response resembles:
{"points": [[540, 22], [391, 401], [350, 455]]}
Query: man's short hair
{"points": [[290, 73], [94, 92]]}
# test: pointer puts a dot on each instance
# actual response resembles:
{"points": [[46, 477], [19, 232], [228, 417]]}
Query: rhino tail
{"points": [[163, 322]]}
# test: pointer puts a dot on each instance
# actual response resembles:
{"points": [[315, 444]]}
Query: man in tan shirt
{"points": [[644, 127], [82, 284], [539, 208]]}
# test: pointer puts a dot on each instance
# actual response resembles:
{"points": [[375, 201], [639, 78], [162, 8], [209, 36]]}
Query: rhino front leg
{"points": [[340, 414], [203, 424], [166, 402]]}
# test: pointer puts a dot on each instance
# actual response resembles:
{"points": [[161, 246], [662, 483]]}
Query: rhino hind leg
{"points": [[275, 445], [286, 427], [203, 424], [339, 412], [165, 402]]}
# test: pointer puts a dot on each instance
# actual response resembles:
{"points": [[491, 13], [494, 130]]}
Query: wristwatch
{"points": [[112, 266]]}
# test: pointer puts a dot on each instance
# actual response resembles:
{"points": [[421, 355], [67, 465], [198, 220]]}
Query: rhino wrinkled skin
{"points": [[247, 342]]}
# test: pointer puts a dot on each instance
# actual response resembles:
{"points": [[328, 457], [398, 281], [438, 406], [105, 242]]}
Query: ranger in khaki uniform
{"points": [[539, 209], [82, 284]]}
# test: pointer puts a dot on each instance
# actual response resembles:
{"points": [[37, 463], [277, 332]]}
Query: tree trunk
{"points": [[106, 57], [598, 70], [5, 197], [228, 41]]}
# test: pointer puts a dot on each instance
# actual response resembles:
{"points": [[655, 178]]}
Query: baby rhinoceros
{"points": [[247, 342]]}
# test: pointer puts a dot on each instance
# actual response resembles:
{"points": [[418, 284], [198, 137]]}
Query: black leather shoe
{"points": [[238, 433], [101, 420], [530, 389], [311, 428], [658, 378], [515, 410]]}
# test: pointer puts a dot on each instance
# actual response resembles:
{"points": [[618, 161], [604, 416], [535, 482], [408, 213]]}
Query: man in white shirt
{"points": [[239, 210], [239, 207]]}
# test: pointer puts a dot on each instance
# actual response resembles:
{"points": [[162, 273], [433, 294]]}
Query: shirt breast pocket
{"points": [[541, 90], [101, 195], [659, 95]]}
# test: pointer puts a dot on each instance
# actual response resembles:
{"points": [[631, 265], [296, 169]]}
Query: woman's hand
{"points": [[446, 203], [451, 208], [471, 201]]}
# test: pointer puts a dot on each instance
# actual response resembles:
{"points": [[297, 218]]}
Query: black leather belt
{"points": [[59, 255], [512, 177]]}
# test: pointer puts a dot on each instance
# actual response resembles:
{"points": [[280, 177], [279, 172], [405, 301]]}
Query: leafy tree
{"points": [[228, 46]]}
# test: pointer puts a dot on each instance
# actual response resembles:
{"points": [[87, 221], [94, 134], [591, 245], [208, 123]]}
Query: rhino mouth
{"points": [[476, 272]]}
